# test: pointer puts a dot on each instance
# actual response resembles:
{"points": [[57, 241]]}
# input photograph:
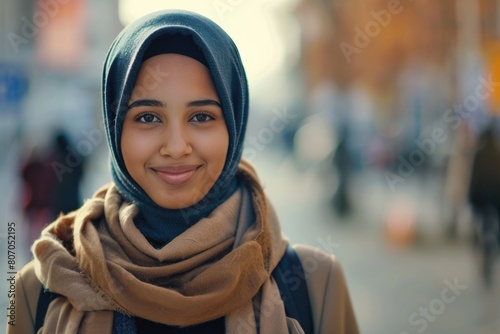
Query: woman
{"points": [[184, 239]]}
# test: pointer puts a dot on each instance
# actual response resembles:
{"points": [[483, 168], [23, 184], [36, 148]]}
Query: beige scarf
{"points": [[99, 262]]}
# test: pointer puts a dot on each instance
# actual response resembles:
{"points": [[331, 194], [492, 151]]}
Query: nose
{"points": [[175, 142]]}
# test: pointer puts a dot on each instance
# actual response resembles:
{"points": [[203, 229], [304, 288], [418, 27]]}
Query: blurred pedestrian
{"points": [[343, 165], [67, 189], [484, 195], [38, 184]]}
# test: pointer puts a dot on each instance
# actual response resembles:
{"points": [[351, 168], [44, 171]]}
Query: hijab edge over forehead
{"points": [[121, 68]]}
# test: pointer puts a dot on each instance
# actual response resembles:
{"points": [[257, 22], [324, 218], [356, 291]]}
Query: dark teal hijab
{"points": [[197, 37]]}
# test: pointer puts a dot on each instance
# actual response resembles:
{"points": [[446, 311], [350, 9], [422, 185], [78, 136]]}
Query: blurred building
{"points": [[51, 55], [400, 64]]}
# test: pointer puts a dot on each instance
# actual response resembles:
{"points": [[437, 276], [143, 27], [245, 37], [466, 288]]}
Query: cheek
{"points": [[214, 149], [135, 148]]}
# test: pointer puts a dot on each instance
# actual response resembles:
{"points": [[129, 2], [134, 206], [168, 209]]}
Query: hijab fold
{"points": [[99, 263]]}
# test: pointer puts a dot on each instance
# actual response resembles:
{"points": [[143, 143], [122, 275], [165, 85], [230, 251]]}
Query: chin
{"points": [[176, 203]]}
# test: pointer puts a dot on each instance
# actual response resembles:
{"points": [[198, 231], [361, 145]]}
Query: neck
{"points": [[160, 225]]}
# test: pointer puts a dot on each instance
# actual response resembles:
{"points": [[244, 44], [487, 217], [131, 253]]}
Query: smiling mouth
{"points": [[176, 175]]}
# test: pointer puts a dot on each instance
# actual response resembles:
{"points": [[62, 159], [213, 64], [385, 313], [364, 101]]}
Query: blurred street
{"points": [[388, 283]]}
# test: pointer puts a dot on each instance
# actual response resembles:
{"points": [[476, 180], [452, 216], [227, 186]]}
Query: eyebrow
{"points": [[146, 103], [202, 103], [157, 103]]}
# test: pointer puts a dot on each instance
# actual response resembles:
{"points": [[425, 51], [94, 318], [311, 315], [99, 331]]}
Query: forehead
{"points": [[175, 73], [169, 64]]}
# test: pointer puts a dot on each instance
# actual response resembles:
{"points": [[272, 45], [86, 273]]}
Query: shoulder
{"points": [[29, 283], [323, 272], [328, 292], [318, 263], [25, 299]]}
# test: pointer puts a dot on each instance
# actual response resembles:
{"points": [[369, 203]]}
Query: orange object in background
{"points": [[492, 59], [400, 223], [61, 35]]}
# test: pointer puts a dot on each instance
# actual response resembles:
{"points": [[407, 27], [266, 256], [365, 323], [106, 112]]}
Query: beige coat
{"points": [[330, 302]]}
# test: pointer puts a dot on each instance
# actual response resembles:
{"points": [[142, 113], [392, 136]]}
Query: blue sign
{"points": [[13, 84]]}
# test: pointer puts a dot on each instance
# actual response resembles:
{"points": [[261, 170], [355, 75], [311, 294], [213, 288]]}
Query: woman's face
{"points": [[174, 140]]}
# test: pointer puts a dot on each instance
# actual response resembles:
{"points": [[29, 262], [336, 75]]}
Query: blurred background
{"points": [[374, 126]]}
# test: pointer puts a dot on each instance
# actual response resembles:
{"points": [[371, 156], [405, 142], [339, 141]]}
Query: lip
{"points": [[176, 174]]}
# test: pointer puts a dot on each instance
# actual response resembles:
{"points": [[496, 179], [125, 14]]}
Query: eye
{"points": [[202, 117], [147, 118]]}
